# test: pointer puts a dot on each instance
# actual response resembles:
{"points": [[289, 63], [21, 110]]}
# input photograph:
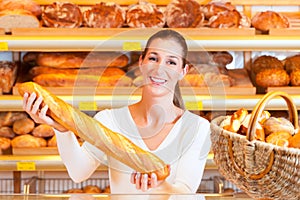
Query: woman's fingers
{"points": [[144, 182], [153, 181], [132, 177], [36, 105], [138, 181]]}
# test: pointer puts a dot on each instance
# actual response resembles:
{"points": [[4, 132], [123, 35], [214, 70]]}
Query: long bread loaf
{"points": [[92, 131]]}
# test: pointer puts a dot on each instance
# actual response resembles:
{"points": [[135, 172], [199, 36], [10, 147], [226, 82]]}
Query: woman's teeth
{"points": [[157, 80]]}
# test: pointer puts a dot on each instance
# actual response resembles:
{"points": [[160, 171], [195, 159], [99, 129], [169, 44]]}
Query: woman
{"points": [[157, 123]]}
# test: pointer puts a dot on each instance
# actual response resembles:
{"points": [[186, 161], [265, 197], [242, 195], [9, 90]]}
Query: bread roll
{"points": [[294, 141], [81, 59], [62, 15], [184, 14], [52, 142], [266, 62], [226, 19], [8, 75], [93, 189], [295, 77], [72, 80], [7, 132], [18, 19], [28, 5], [104, 15], [43, 130], [292, 63], [278, 124], [23, 126], [8, 118], [279, 138], [92, 131], [272, 78], [213, 8], [24, 141], [264, 21], [145, 15], [5, 143]]}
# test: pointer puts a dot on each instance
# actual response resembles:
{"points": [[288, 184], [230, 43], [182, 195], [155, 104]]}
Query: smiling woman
{"points": [[158, 123]]}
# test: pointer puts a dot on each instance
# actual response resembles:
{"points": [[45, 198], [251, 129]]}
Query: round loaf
{"points": [[295, 77], [145, 15], [272, 78], [184, 14], [23, 126], [213, 8], [28, 5], [266, 62], [292, 63], [7, 132], [264, 21], [28, 140], [104, 15], [228, 19], [62, 15], [43, 130]]}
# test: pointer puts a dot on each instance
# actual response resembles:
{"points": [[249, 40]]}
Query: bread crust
{"points": [[91, 130], [266, 20], [28, 5], [272, 78]]}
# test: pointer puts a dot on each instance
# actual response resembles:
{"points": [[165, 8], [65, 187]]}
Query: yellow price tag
{"points": [[90, 106], [132, 46], [192, 105], [3, 46], [25, 166]]}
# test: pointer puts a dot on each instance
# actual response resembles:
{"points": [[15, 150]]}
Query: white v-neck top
{"points": [[185, 148]]}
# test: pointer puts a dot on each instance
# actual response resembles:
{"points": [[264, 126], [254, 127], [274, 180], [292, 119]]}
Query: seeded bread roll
{"points": [[62, 15], [266, 20], [28, 5], [184, 14], [266, 62], [272, 78], [145, 15], [104, 15]]}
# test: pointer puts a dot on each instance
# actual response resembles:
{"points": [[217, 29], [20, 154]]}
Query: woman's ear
{"points": [[140, 60], [184, 71]]}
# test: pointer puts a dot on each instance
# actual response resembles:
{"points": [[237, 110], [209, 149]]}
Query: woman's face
{"points": [[162, 66]]}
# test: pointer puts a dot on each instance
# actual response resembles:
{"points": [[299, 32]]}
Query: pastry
{"points": [[92, 131], [8, 75], [145, 15], [104, 15], [266, 62], [184, 14], [62, 15], [278, 124], [272, 78], [266, 20]]}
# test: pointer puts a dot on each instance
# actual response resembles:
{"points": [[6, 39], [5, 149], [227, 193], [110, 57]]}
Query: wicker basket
{"points": [[262, 170]]}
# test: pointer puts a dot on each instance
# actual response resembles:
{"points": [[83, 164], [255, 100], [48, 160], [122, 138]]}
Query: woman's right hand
{"points": [[33, 105]]}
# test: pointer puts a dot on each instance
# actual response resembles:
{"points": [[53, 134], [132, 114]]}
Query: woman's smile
{"points": [[157, 80]]}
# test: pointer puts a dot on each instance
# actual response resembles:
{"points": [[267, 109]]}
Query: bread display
{"points": [[184, 14], [272, 78], [28, 141], [62, 15], [92, 131], [8, 75], [104, 15], [266, 20], [145, 15], [28, 5]]}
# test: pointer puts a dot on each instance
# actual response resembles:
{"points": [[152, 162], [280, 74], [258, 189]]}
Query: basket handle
{"points": [[256, 113]]}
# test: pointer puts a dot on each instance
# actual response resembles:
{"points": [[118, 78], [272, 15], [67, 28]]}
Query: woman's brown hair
{"points": [[167, 34]]}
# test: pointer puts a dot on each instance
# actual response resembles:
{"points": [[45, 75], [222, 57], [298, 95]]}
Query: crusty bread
{"points": [[92, 131], [8, 75], [29, 5], [17, 19], [266, 20], [24, 141]]}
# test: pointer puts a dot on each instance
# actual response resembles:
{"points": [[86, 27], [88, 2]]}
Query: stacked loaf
{"points": [[70, 69]]}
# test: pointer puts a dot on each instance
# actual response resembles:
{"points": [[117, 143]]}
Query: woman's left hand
{"points": [[144, 181]]}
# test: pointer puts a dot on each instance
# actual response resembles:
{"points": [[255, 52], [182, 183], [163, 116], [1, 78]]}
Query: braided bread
{"points": [[92, 131]]}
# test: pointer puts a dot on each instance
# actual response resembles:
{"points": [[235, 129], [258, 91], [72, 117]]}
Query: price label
{"points": [[26, 166], [192, 105], [132, 46], [89, 106], [3, 46]]}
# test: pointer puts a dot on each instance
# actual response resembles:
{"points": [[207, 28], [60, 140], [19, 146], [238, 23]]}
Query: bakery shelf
{"points": [[135, 43], [193, 102]]}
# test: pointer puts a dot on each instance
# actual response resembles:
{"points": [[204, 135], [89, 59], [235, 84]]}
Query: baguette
{"points": [[92, 131]]}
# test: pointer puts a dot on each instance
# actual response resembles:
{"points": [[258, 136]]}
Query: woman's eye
{"points": [[152, 58], [171, 62]]}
